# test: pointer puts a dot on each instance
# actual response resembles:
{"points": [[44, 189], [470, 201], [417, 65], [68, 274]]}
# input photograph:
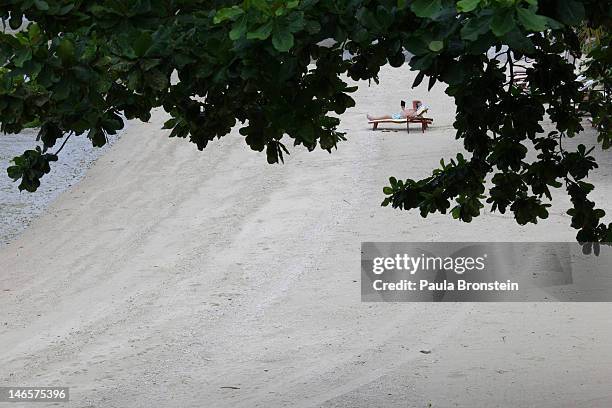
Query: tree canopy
{"points": [[83, 68]]}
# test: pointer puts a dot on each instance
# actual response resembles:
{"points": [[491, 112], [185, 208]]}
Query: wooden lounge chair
{"points": [[425, 122]]}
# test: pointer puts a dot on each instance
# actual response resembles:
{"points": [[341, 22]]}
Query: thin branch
{"points": [[64, 144], [498, 54]]}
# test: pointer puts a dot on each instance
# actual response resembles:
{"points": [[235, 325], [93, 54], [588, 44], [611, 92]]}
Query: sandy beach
{"points": [[169, 277]]}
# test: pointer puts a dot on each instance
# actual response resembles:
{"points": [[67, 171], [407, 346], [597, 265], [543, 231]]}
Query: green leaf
{"points": [[34, 32], [312, 27], [157, 79], [239, 29], [466, 6], [16, 20], [432, 82], [422, 63], [475, 27], [518, 41], [503, 22], [570, 12], [14, 172], [262, 33], [295, 22], [97, 137], [261, 5], [436, 46], [229, 13], [454, 74], [142, 43], [21, 56], [426, 8], [418, 79], [416, 45], [282, 40], [531, 20], [272, 152], [552, 23], [41, 5], [361, 35], [66, 9], [65, 50]]}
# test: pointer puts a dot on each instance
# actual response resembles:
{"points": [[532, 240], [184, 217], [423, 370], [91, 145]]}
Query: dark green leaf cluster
{"points": [[499, 119], [277, 69], [30, 167]]}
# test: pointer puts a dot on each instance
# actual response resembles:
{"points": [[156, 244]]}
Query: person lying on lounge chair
{"points": [[406, 113]]}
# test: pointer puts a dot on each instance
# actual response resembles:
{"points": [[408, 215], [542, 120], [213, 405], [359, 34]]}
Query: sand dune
{"points": [[170, 277]]}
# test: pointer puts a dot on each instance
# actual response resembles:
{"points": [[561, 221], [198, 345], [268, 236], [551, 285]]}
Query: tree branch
{"points": [[63, 144]]}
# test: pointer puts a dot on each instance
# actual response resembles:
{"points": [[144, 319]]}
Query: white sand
{"points": [[168, 274]]}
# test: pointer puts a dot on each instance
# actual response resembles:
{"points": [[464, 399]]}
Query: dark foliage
{"points": [[80, 67]]}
